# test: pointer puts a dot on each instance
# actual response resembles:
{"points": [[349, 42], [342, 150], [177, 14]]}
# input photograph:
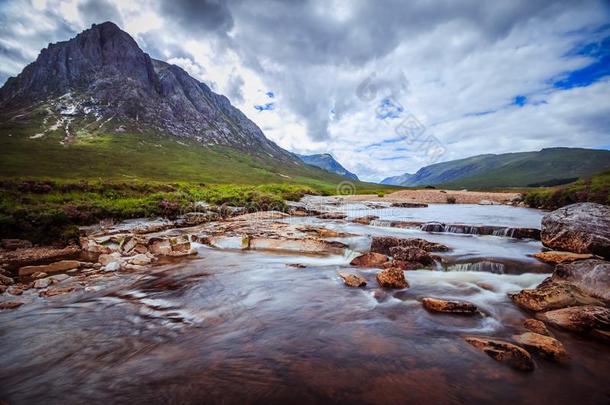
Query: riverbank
{"points": [[431, 196]]}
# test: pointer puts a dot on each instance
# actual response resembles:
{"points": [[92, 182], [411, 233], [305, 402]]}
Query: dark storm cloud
{"points": [[199, 16], [235, 88], [97, 11]]}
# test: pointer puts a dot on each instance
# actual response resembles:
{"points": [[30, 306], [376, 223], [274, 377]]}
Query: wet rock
{"points": [[133, 244], [112, 266], [488, 202], [332, 215], [432, 227], [39, 274], [51, 292], [545, 345], [409, 205], [411, 254], [556, 257], [10, 305], [42, 283], [72, 272], [366, 220], [536, 326], [392, 278], [578, 228], [301, 245], [3, 288], [550, 295], [196, 218], [352, 280], [92, 246], [132, 267], [5, 272], [592, 276], [450, 306], [260, 216], [52, 268], [297, 265], [104, 259], [403, 265], [14, 290], [27, 257], [140, 260], [382, 244], [14, 244], [5, 280], [174, 246], [370, 259], [578, 319], [58, 278], [321, 232], [503, 351]]}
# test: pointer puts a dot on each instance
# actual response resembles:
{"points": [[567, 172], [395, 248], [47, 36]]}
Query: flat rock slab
{"points": [[450, 306], [580, 319], [503, 351], [382, 244], [370, 259], [536, 326], [547, 346], [556, 256], [591, 276], [57, 267], [552, 295]]}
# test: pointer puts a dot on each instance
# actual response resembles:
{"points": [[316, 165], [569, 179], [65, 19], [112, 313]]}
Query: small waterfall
{"points": [[460, 228], [505, 232], [433, 227], [484, 266]]}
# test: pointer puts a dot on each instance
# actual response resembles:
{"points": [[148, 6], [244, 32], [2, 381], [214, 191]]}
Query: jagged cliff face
{"points": [[102, 79]]}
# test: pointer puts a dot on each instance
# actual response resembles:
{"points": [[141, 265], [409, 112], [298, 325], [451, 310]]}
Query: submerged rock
{"points": [[392, 278], [322, 232], [545, 345], [592, 276], [551, 295], [578, 228], [579, 319], [409, 205], [556, 257], [370, 259], [52, 268], [404, 265], [450, 306], [503, 351], [382, 244], [10, 305], [352, 280], [536, 326], [366, 220], [332, 215]]}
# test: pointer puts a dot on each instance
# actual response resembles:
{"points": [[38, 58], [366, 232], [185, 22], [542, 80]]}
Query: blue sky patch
{"points": [[264, 107], [270, 94], [520, 101], [600, 51], [388, 109]]}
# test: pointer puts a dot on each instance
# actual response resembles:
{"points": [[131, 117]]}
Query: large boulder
{"points": [[503, 351], [551, 295], [392, 278], [579, 228], [450, 306], [592, 276], [411, 254], [579, 319]]}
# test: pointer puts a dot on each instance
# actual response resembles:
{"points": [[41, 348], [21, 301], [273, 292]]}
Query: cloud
{"points": [[480, 77]]}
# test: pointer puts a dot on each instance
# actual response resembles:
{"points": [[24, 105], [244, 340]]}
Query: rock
{"points": [[370, 259], [40, 274], [10, 305], [545, 345], [173, 246], [5, 280], [3, 288], [14, 244], [591, 276], [352, 280], [550, 295], [59, 278], [52, 268], [409, 205], [51, 292], [382, 244], [322, 232], [578, 319], [403, 265], [106, 258], [392, 278], [260, 216], [503, 351], [301, 245], [332, 215], [97, 266], [455, 307], [42, 283], [132, 267], [112, 266], [140, 260], [536, 326], [196, 218], [72, 272], [578, 228], [26, 257], [5, 272], [556, 257], [14, 290], [297, 265], [366, 220], [411, 254], [133, 244], [487, 202]]}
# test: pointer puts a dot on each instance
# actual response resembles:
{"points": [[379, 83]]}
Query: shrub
{"points": [[451, 199]]}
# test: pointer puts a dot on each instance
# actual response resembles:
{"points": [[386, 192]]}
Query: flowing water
{"points": [[232, 326]]}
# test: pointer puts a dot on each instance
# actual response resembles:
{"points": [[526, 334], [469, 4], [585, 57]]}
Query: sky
{"points": [[386, 87]]}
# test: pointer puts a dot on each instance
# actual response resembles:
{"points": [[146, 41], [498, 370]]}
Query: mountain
{"points": [[98, 106], [398, 180], [550, 166], [327, 162]]}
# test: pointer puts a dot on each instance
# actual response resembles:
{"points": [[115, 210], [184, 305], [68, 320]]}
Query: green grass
{"points": [[47, 189], [592, 189]]}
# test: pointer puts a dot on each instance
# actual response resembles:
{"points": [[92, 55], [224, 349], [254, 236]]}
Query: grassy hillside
{"points": [[524, 169], [593, 189]]}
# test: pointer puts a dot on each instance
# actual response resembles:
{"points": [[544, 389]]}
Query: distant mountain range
{"points": [[546, 167], [327, 162]]}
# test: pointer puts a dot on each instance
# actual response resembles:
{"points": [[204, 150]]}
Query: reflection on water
{"points": [[239, 327]]}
